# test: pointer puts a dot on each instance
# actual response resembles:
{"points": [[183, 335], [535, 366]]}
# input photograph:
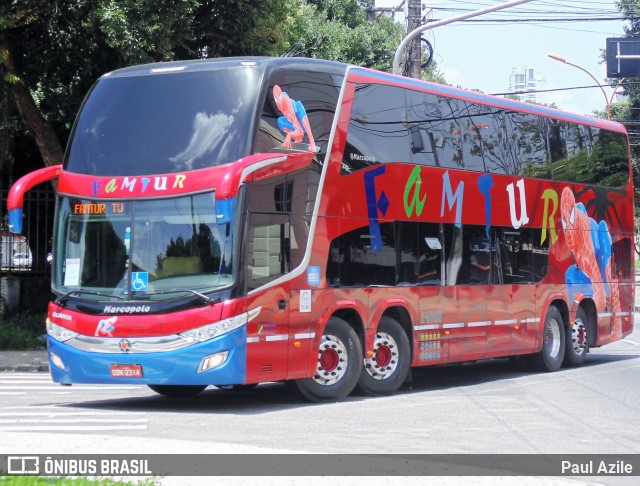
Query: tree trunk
{"points": [[45, 137]]}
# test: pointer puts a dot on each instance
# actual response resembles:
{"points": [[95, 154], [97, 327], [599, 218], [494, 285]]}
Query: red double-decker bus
{"points": [[236, 221]]}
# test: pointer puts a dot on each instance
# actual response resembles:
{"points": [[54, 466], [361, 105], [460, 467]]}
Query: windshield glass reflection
{"points": [[141, 250]]}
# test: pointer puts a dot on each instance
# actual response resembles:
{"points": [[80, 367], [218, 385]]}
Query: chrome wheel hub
{"points": [[384, 361], [332, 361]]}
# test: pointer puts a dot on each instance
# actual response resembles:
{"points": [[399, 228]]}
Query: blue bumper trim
{"points": [[171, 368]]}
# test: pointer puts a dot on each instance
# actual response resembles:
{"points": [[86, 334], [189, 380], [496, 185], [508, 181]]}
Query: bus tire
{"points": [[338, 367], [387, 369], [550, 357], [577, 342], [178, 391]]}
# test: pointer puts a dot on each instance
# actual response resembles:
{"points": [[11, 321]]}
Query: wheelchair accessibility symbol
{"points": [[140, 281]]}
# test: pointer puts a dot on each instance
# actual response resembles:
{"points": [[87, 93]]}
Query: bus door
{"points": [[268, 240]]}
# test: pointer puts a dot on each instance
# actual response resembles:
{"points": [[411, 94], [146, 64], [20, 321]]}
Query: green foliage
{"points": [[22, 332], [61, 47], [338, 30]]}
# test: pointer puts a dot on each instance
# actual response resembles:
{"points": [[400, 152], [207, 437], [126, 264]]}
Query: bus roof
{"points": [[264, 63], [360, 74]]}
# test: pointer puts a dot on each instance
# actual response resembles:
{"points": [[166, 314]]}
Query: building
{"points": [[524, 82]]}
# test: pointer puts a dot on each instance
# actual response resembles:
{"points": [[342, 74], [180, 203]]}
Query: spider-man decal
{"points": [[600, 205], [590, 245], [295, 122]]}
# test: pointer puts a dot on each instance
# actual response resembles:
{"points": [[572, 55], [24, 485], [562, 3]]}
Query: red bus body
{"points": [[383, 241]]}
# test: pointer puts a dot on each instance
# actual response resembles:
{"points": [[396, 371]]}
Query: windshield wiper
{"points": [[206, 299], [65, 297]]}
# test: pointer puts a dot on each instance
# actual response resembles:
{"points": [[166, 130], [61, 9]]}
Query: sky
{"points": [[481, 55]]}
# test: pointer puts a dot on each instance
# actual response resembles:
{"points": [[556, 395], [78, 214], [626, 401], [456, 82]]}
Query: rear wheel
{"points": [[550, 357], [577, 344], [178, 390], [338, 367], [387, 369]]}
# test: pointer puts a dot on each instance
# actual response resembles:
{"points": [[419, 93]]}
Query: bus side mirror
{"points": [[15, 200]]}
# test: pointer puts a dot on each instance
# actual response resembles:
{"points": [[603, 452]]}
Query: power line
{"points": [[566, 19]]}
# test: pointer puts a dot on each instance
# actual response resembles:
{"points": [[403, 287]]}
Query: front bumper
{"points": [[174, 367]]}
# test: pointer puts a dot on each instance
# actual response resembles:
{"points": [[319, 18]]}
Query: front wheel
{"points": [[338, 367], [179, 391], [550, 357], [577, 343], [387, 369]]}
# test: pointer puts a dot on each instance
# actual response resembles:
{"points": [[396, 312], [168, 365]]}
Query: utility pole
{"points": [[467, 15], [414, 57]]}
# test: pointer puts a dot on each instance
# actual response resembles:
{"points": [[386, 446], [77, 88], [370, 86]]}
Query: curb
{"points": [[24, 361]]}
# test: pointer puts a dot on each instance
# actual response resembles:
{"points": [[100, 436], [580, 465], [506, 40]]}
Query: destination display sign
{"points": [[99, 208]]}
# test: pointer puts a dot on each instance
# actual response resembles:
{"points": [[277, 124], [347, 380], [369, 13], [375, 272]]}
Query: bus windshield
{"points": [[140, 250], [164, 123]]}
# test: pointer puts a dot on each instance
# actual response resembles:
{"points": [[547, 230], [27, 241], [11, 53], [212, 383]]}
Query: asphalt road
{"points": [[490, 407]]}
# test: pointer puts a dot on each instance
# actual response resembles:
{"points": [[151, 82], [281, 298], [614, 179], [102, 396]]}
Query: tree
{"points": [[338, 30], [51, 52]]}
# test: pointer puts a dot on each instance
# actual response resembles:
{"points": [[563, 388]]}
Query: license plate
{"points": [[126, 371]]}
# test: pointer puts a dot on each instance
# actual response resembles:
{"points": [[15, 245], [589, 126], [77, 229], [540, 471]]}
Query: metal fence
{"points": [[28, 255]]}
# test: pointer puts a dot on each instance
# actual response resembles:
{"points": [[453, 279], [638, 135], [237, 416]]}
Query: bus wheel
{"points": [[339, 364], [550, 357], [178, 390], [387, 369], [577, 342]]}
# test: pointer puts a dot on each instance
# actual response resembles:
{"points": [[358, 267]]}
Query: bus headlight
{"points": [[59, 333], [213, 361], [219, 328]]}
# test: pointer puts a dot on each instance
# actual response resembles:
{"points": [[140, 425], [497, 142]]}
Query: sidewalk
{"points": [[24, 361]]}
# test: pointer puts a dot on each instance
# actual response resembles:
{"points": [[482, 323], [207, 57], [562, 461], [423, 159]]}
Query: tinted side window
{"points": [[353, 261], [378, 129], [539, 254], [426, 253], [430, 254], [419, 253], [428, 130], [568, 152], [480, 260]]}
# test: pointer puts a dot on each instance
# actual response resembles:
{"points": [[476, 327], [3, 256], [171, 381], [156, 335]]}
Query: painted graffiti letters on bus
{"points": [[415, 196], [485, 184], [139, 185], [451, 198], [417, 202], [548, 217], [524, 217], [374, 205]]}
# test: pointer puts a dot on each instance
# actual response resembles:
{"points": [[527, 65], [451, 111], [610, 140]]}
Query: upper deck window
{"points": [[164, 123], [394, 124]]}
